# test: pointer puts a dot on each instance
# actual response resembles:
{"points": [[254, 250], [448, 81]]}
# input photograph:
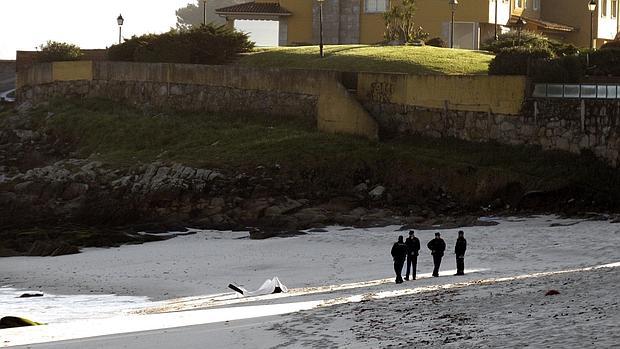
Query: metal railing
{"points": [[584, 91]]}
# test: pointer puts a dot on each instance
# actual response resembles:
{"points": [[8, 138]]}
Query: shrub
{"points": [[605, 62], [198, 45], [515, 60], [567, 69], [54, 51], [437, 42], [561, 49], [529, 40]]}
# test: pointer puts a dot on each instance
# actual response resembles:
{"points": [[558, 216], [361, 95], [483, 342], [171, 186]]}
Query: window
{"points": [[604, 8], [614, 8], [536, 5], [520, 3], [376, 5]]}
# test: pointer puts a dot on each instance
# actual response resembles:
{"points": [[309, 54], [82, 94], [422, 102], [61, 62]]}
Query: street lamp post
{"points": [[204, 12], [496, 36], [321, 26], [592, 8], [120, 20], [520, 25], [453, 4]]}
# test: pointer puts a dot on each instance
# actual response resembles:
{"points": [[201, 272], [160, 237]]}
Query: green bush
{"points": [[528, 40], [567, 69], [515, 60], [197, 45], [54, 51], [436, 42], [605, 62]]}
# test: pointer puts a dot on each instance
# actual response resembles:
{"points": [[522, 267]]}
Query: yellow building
{"points": [[361, 21]]}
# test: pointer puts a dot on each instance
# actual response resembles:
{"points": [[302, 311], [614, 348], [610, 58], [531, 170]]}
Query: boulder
{"points": [[31, 295], [14, 321], [552, 293], [283, 208], [361, 188], [377, 192]]}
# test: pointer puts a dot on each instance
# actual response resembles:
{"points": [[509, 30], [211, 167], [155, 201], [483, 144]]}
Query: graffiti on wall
{"points": [[381, 92]]}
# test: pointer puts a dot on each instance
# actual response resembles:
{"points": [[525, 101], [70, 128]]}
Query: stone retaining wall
{"points": [[188, 97], [553, 124]]}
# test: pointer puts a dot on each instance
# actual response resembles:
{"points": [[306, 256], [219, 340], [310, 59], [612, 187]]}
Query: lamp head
{"points": [[120, 20], [520, 24], [592, 5], [453, 4]]}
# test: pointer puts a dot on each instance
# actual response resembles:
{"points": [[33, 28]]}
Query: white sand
{"points": [[206, 262]]}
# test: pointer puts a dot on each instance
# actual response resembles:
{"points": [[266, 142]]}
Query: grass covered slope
{"points": [[399, 59], [123, 137]]}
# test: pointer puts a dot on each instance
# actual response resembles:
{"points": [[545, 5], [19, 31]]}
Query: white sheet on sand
{"points": [[268, 287]]}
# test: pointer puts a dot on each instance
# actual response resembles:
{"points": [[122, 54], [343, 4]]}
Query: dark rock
{"points": [[361, 188], [51, 248], [30, 295], [563, 224], [65, 249], [257, 234], [74, 190], [283, 208], [341, 204], [377, 192], [552, 293], [13, 321], [318, 230]]}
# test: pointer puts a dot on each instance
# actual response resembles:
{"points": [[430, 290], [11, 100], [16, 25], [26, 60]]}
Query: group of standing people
{"points": [[408, 251]]}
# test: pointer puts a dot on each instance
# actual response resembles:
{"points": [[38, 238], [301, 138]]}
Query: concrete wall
{"points": [[25, 59], [224, 89], [341, 113], [496, 94]]}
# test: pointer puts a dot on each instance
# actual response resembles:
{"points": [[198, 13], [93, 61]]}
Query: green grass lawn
{"points": [[400, 59]]}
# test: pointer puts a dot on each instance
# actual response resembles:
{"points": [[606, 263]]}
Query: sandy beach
{"points": [[342, 290]]}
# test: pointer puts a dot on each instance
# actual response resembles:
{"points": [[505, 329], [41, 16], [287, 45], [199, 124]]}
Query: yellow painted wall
{"points": [[66, 71], [339, 112], [372, 28], [430, 15], [497, 94], [575, 13], [300, 23]]}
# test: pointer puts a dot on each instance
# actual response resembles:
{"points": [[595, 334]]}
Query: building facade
{"points": [[361, 21]]}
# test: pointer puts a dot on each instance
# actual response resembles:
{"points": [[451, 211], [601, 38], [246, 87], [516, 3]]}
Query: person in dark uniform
{"points": [[413, 248], [437, 247], [399, 253], [459, 251]]}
